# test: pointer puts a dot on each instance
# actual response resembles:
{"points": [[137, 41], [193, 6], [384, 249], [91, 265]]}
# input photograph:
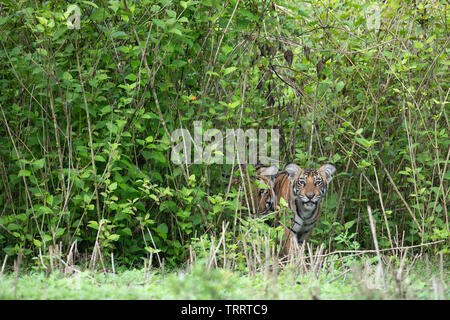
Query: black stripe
{"points": [[309, 224], [299, 212]]}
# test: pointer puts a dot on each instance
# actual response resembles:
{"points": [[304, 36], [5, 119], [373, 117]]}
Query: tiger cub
{"points": [[259, 195], [303, 189]]}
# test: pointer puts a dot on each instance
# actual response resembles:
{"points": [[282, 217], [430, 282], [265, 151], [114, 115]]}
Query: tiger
{"points": [[259, 196], [303, 190]]}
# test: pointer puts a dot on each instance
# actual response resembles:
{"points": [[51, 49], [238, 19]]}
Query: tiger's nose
{"points": [[310, 195]]}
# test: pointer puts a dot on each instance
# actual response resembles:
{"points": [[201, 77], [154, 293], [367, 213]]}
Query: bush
{"points": [[87, 115]]}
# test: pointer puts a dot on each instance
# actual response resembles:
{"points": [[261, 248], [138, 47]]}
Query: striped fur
{"points": [[303, 190], [259, 200]]}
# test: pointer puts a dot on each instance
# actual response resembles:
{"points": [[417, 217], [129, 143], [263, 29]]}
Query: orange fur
{"points": [[259, 200], [303, 190]]}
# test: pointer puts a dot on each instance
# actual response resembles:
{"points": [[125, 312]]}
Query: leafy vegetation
{"points": [[87, 112]]}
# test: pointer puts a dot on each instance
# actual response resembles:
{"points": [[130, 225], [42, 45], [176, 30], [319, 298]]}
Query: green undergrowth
{"points": [[358, 281]]}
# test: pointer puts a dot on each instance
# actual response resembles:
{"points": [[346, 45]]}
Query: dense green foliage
{"points": [[87, 115]]}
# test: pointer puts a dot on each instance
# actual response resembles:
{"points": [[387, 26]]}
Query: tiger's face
{"points": [[263, 195], [310, 185]]}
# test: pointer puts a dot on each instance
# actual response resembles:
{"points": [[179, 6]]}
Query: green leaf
{"points": [[163, 228], [159, 23], [227, 49], [60, 232], [229, 70], [152, 250], [13, 227], [119, 34], [283, 202], [91, 4], [22, 217], [42, 20], [93, 224], [349, 224], [131, 77], [234, 104], [126, 231], [113, 186], [303, 13], [114, 237], [184, 4], [49, 199], [336, 158], [366, 143], [42, 52], [24, 173], [176, 31], [37, 243], [171, 13], [212, 73], [99, 158], [158, 156], [39, 164]]}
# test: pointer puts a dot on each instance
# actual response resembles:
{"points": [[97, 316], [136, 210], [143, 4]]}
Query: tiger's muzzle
{"points": [[310, 202]]}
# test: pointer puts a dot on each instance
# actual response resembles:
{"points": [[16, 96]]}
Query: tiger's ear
{"points": [[328, 170], [270, 172], [293, 170]]}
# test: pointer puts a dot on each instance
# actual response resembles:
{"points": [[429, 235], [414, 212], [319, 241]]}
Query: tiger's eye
{"points": [[318, 183]]}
